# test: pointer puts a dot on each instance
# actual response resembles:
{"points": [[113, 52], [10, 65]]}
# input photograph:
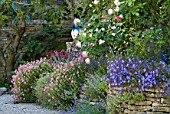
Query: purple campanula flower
{"points": [[133, 71]]}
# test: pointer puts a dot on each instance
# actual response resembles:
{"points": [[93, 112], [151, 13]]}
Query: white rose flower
{"points": [[113, 34], [110, 11], [103, 29], [121, 16], [117, 9], [116, 2], [84, 34], [97, 29], [90, 35], [96, 1], [113, 27]]}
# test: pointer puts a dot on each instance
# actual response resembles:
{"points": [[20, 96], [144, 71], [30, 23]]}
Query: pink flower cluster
{"points": [[20, 78]]}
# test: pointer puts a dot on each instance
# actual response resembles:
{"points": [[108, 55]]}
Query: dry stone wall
{"points": [[153, 103]]}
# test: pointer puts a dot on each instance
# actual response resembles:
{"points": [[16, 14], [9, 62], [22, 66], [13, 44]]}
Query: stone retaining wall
{"points": [[153, 103]]}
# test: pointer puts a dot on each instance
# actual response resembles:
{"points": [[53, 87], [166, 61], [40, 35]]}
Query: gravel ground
{"points": [[7, 106]]}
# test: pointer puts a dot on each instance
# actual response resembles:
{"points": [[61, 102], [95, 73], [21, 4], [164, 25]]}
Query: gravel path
{"points": [[7, 106]]}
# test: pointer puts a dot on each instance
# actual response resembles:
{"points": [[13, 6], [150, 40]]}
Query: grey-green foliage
{"points": [[40, 84], [89, 109], [96, 88]]}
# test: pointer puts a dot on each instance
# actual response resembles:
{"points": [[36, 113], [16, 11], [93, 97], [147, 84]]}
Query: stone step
{"points": [[2, 90]]}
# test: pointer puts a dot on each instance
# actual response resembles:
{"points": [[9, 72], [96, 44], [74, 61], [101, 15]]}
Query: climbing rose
{"points": [[101, 41], [110, 11], [96, 1], [118, 18], [116, 2], [121, 16], [78, 44], [84, 54], [113, 27], [87, 61], [76, 20]]}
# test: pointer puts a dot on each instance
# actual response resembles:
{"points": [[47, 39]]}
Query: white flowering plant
{"points": [[103, 29]]}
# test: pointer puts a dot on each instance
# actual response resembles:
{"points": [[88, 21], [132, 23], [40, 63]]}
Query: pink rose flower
{"points": [[101, 41], [118, 18], [84, 54], [76, 20], [87, 61]]}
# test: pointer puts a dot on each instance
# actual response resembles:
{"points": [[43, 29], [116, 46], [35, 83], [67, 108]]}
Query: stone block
{"points": [[156, 113], [161, 109], [156, 104], [150, 90], [139, 108], [126, 111], [153, 99], [143, 103], [150, 95], [164, 101], [2, 90]]}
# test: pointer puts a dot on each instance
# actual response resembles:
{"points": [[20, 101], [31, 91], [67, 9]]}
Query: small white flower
{"points": [[78, 44], [121, 16], [90, 5], [116, 2], [101, 42], [97, 29], [117, 9], [110, 11], [103, 29], [84, 34], [96, 1], [113, 34], [90, 35], [88, 24], [113, 27]]}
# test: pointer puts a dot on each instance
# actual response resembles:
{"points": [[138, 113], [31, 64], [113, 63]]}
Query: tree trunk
{"points": [[9, 67], [10, 51]]}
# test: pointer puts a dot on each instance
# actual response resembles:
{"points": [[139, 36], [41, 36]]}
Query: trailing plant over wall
{"points": [[138, 75]]}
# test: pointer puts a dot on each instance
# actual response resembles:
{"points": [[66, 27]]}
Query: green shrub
{"points": [[41, 83], [96, 88], [25, 79]]}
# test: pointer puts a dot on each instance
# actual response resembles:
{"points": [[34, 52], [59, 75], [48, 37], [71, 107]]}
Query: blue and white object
{"points": [[75, 31], [76, 28]]}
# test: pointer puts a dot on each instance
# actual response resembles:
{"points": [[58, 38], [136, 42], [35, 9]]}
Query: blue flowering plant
{"points": [[139, 75]]}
